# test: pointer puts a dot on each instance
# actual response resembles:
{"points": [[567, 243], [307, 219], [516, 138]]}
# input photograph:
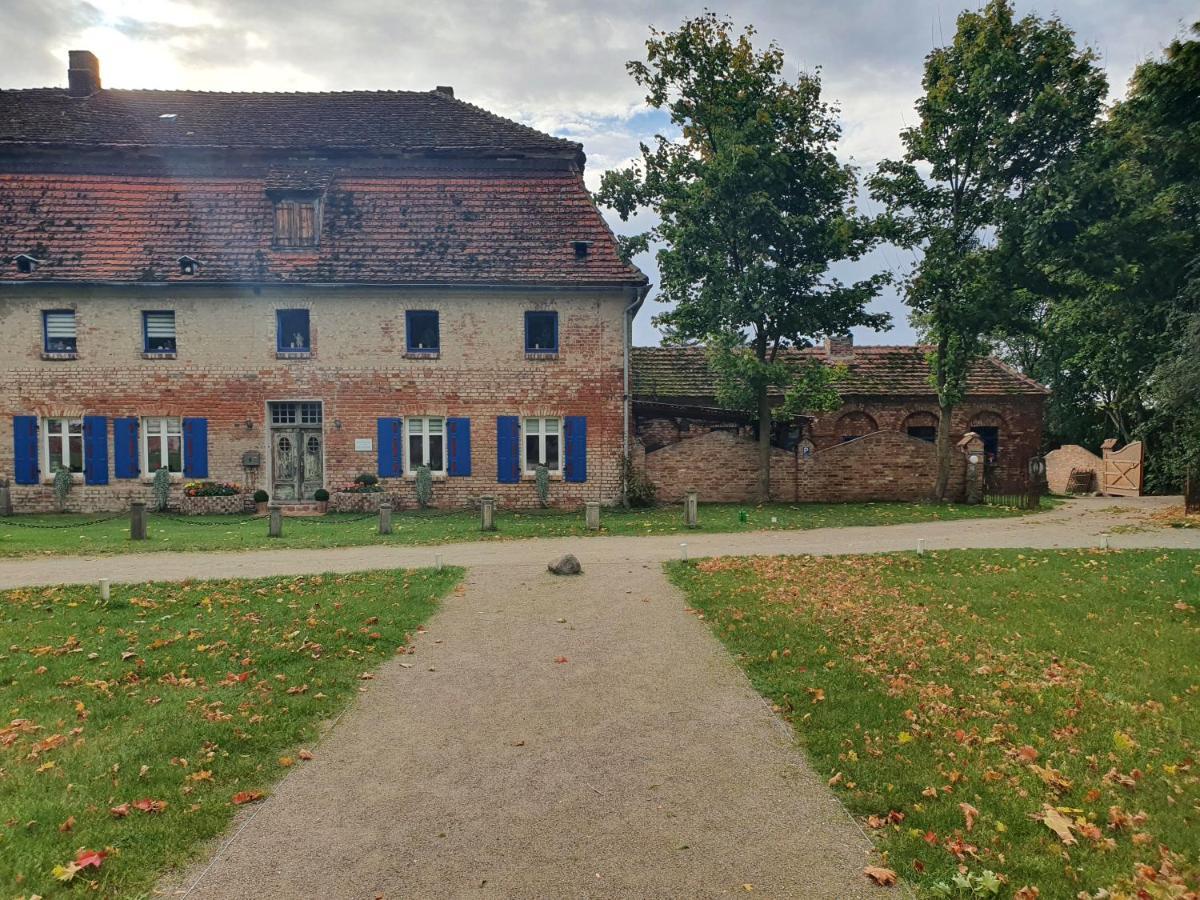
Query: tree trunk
{"points": [[944, 451], [764, 445]]}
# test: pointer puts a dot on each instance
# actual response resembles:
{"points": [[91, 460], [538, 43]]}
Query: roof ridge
{"points": [[487, 112]]}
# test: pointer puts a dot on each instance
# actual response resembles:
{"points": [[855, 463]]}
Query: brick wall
{"points": [[722, 467], [226, 371], [1060, 462]]}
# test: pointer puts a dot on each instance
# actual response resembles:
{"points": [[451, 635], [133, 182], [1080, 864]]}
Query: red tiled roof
{"points": [[436, 226], [683, 373], [378, 121]]}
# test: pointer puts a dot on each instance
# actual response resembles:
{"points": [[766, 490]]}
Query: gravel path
{"points": [[643, 766], [1078, 523]]}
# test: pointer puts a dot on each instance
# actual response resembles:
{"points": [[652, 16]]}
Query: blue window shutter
{"points": [[508, 449], [575, 455], [391, 447], [25, 449], [458, 440], [195, 448], [95, 450], [125, 448]]}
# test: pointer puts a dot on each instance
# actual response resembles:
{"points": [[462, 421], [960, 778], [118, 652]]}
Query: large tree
{"points": [[1007, 102], [1111, 243], [753, 207]]}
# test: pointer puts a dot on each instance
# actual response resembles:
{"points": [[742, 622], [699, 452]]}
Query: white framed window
{"points": [[62, 445], [426, 444], [162, 444], [543, 444]]}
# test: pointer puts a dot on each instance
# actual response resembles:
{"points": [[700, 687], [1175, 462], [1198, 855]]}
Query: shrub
{"points": [[356, 487], [62, 486], [637, 491], [161, 488], [261, 496], [211, 489], [366, 479], [321, 495], [424, 486], [542, 481]]}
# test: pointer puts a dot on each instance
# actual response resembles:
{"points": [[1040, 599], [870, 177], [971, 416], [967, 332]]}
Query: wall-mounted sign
{"points": [[363, 445]]}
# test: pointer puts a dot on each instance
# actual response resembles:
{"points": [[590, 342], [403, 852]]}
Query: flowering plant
{"points": [[211, 489], [355, 487]]}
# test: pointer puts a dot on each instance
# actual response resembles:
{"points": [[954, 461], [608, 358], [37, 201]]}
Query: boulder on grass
{"points": [[565, 565]]}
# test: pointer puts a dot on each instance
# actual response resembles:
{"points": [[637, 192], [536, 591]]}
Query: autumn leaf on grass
{"points": [[67, 825], [86, 858], [305, 754], [147, 805], [246, 797], [971, 814], [1054, 779], [1056, 822], [119, 812], [881, 876]]}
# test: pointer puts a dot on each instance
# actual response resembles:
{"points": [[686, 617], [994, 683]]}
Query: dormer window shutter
{"points": [[297, 221]]}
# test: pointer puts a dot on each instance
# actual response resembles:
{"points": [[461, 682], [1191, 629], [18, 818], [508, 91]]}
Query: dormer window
{"points": [[297, 219], [188, 265], [26, 263], [581, 248]]}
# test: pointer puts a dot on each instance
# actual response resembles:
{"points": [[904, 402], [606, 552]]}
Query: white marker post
{"points": [[920, 546], [104, 591], [683, 551]]}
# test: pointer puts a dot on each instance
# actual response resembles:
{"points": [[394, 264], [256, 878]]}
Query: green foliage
{"points": [[968, 886], [62, 486], [541, 478], [806, 385], [366, 479], [1005, 104], [1106, 244], [320, 495], [637, 491], [752, 202], [160, 487], [424, 487]]}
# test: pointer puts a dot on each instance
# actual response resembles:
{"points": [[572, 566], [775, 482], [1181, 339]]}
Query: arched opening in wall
{"points": [[855, 425], [921, 425], [990, 427]]}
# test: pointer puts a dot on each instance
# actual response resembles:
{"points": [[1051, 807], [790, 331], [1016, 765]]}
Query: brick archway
{"points": [[855, 424]]}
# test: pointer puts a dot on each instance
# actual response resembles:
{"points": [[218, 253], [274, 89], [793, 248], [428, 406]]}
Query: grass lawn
{"points": [[17, 538], [1030, 714], [138, 727]]}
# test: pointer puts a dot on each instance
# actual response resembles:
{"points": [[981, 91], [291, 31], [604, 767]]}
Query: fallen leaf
{"points": [[971, 814], [1056, 822], [560, 659], [91, 858], [147, 805], [305, 755], [67, 825], [246, 797], [881, 876], [120, 812]]}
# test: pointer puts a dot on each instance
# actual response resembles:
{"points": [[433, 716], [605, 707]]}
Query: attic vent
{"points": [[26, 263], [188, 265], [581, 248]]}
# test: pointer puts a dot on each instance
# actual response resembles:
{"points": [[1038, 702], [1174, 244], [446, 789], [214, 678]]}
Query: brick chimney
{"points": [[446, 89], [83, 73], [839, 346]]}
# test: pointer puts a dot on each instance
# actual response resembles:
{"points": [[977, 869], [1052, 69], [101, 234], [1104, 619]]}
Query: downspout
{"points": [[627, 340]]}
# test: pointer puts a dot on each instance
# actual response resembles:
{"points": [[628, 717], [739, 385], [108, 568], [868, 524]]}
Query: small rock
{"points": [[566, 565]]}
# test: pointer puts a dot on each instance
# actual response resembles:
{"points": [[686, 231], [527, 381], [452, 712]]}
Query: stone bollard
{"points": [[591, 515], [137, 520], [105, 591], [275, 520], [385, 517], [5, 498], [691, 514], [487, 513]]}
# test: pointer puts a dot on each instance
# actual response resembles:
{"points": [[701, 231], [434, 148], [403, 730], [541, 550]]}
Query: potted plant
{"points": [[261, 498], [321, 496]]}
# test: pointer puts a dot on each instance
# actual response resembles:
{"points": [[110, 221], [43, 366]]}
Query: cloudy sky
{"points": [[555, 64]]}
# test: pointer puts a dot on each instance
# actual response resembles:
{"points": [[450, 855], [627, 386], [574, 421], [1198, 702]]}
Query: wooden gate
{"points": [[1123, 470]]}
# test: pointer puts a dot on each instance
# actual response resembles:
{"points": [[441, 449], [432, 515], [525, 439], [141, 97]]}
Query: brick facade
{"points": [[226, 371], [723, 467], [1061, 462]]}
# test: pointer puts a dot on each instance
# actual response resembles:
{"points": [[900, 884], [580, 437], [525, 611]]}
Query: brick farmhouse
{"points": [[284, 291]]}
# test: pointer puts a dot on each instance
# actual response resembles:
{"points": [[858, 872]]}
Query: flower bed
{"points": [[211, 489], [216, 505]]}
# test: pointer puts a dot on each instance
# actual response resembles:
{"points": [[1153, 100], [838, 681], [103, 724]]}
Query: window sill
{"points": [[46, 354], [293, 354], [437, 476], [532, 476], [423, 354], [541, 354], [159, 354]]}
